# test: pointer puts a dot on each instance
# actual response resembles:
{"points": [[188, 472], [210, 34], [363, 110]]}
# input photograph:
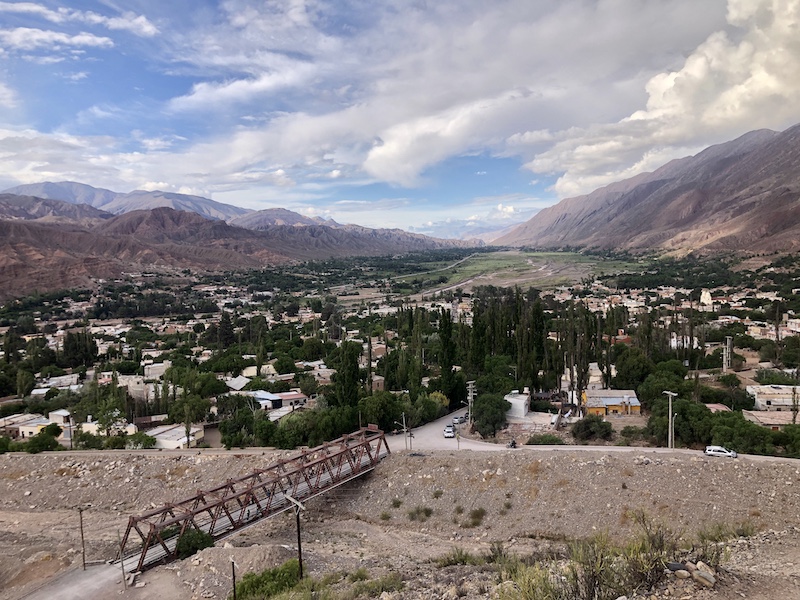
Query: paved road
{"points": [[431, 437], [97, 582]]}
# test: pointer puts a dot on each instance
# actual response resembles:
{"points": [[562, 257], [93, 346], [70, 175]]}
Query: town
{"points": [[297, 356]]}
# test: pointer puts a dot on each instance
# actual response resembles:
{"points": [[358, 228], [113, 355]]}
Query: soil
{"points": [[534, 502]]}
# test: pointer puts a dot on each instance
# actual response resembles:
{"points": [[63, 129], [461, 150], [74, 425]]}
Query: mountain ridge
{"points": [[742, 194]]}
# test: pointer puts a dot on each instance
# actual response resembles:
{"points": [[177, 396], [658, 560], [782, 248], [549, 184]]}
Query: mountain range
{"points": [[48, 244], [742, 195]]}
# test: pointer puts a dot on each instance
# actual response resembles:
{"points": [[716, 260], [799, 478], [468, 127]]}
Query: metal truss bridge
{"points": [[152, 537]]}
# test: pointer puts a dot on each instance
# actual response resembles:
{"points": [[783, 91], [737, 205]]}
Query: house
{"points": [[520, 403], [611, 402], [119, 427], [774, 420], [173, 437], [16, 425], [774, 397], [237, 384]]}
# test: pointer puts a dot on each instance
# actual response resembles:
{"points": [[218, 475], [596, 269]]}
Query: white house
{"points": [[773, 397], [173, 437], [520, 403]]}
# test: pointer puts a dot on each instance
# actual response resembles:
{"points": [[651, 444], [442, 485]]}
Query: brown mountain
{"points": [[46, 256], [741, 195]]}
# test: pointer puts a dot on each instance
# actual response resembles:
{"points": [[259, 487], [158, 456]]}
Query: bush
{"points": [[41, 442], [457, 556], [475, 517], [420, 513], [592, 427], [193, 540], [268, 583], [115, 442], [141, 441], [544, 439]]}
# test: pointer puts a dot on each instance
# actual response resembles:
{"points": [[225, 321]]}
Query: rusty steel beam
{"points": [[258, 495]]}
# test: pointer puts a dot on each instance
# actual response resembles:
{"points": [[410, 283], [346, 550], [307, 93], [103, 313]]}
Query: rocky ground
{"points": [[533, 502]]}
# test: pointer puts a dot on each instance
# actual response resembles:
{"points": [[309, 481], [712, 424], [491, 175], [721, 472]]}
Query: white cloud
{"points": [[77, 76], [27, 38], [137, 24], [8, 97], [725, 87], [209, 96]]}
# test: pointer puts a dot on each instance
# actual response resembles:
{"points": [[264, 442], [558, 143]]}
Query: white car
{"points": [[719, 451], [449, 432]]}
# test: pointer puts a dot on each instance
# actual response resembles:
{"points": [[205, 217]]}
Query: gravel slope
{"points": [[533, 500]]}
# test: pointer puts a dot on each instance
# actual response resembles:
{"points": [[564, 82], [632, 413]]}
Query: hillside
{"points": [[534, 501], [741, 195], [37, 254]]}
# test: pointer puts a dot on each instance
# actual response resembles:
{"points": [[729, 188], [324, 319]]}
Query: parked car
{"points": [[720, 451], [449, 431], [458, 420]]}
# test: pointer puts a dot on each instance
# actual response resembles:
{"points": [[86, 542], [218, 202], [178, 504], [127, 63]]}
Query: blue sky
{"points": [[433, 116]]}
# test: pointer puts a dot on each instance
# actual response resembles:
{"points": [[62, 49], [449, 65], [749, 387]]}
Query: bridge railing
{"points": [[152, 537]]}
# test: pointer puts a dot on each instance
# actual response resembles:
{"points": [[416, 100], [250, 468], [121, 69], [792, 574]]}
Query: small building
{"points": [[520, 403], [173, 437], [119, 427], [17, 425], [378, 383], [611, 402], [774, 420], [774, 397], [237, 384]]}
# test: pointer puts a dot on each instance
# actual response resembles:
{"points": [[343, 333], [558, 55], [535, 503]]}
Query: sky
{"points": [[440, 117]]}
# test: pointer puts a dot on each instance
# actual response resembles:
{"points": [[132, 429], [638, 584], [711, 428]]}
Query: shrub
{"points": [[437, 493], [360, 575], [646, 556], [141, 441], [544, 439], [256, 586], [592, 427], [629, 432], [457, 556], [385, 516], [420, 513], [115, 442], [475, 517], [391, 582], [193, 540], [41, 442], [396, 502]]}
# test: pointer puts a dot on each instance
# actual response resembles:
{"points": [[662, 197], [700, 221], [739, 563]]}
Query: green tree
{"points": [[633, 367], [346, 380], [189, 409], [489, 413], [25, 383]]}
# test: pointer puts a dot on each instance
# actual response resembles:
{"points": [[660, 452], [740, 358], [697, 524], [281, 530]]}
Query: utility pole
{"points": [[470, 398], [671, 432], [83, 543], [298, 506], [233, 576], [405, 431]]}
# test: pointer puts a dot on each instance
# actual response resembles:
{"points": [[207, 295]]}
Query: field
{"points": [[508, 268]]}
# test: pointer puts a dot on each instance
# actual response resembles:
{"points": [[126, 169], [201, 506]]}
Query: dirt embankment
{"points": [[414, 508]]}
